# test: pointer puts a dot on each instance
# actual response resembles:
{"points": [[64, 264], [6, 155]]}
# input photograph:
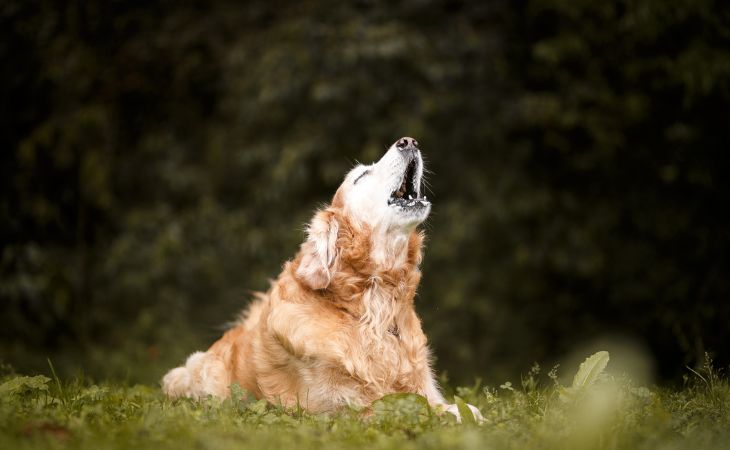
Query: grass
{"points": [[603, 412]]}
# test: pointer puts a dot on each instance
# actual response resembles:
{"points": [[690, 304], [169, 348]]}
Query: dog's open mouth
{"points": [[408, 192]]}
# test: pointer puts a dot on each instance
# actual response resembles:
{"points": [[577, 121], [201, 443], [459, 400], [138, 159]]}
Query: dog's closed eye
{"points": [[360, 176]]}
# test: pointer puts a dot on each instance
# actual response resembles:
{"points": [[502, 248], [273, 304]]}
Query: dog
{"points": [[338, 326]]}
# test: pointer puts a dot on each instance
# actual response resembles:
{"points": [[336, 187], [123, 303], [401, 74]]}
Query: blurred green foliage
{"points": [[161, 158]]}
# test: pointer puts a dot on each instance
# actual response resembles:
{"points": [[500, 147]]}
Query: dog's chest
{"points": [[389, 344]]}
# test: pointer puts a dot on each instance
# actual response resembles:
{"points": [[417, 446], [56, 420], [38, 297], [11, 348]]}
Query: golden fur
{"points": [[336, 328]]}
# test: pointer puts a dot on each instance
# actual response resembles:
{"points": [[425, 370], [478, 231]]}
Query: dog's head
{"points": [[383, 200], [387, 194]]}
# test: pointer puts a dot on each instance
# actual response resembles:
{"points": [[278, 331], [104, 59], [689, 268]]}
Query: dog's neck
{"points": [[389, 249], [375, 274], [391, 285]]}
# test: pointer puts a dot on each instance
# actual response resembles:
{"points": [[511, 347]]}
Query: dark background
{"points": [[160, 159]]}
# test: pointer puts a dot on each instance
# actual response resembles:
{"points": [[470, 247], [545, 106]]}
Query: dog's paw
{"points": [[453, 409]]}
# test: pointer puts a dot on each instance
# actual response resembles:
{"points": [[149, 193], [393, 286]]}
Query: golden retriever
{"points": [[338, 326]]}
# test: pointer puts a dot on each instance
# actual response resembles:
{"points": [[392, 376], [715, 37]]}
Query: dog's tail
{"points": [[202, 375]]}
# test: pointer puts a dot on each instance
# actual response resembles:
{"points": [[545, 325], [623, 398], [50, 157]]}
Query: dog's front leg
{"points": [[432, 393]]}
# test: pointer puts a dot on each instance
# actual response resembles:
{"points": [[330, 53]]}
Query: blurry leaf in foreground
{"points": [[587, 374], [590, 369], [466, 415], [22, 385], [402, 410]]}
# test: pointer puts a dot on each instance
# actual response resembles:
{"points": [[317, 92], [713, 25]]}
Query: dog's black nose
{"points": [[406, 143]]}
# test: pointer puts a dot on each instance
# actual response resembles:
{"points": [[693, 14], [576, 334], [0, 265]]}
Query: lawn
{"points": [[596, 411]]}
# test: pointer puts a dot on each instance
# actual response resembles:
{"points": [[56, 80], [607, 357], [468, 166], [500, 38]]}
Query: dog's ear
{"points": [[319, 251]]}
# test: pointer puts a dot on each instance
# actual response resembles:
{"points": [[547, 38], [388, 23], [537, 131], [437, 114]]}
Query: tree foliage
{"points": [[160, 159]]}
